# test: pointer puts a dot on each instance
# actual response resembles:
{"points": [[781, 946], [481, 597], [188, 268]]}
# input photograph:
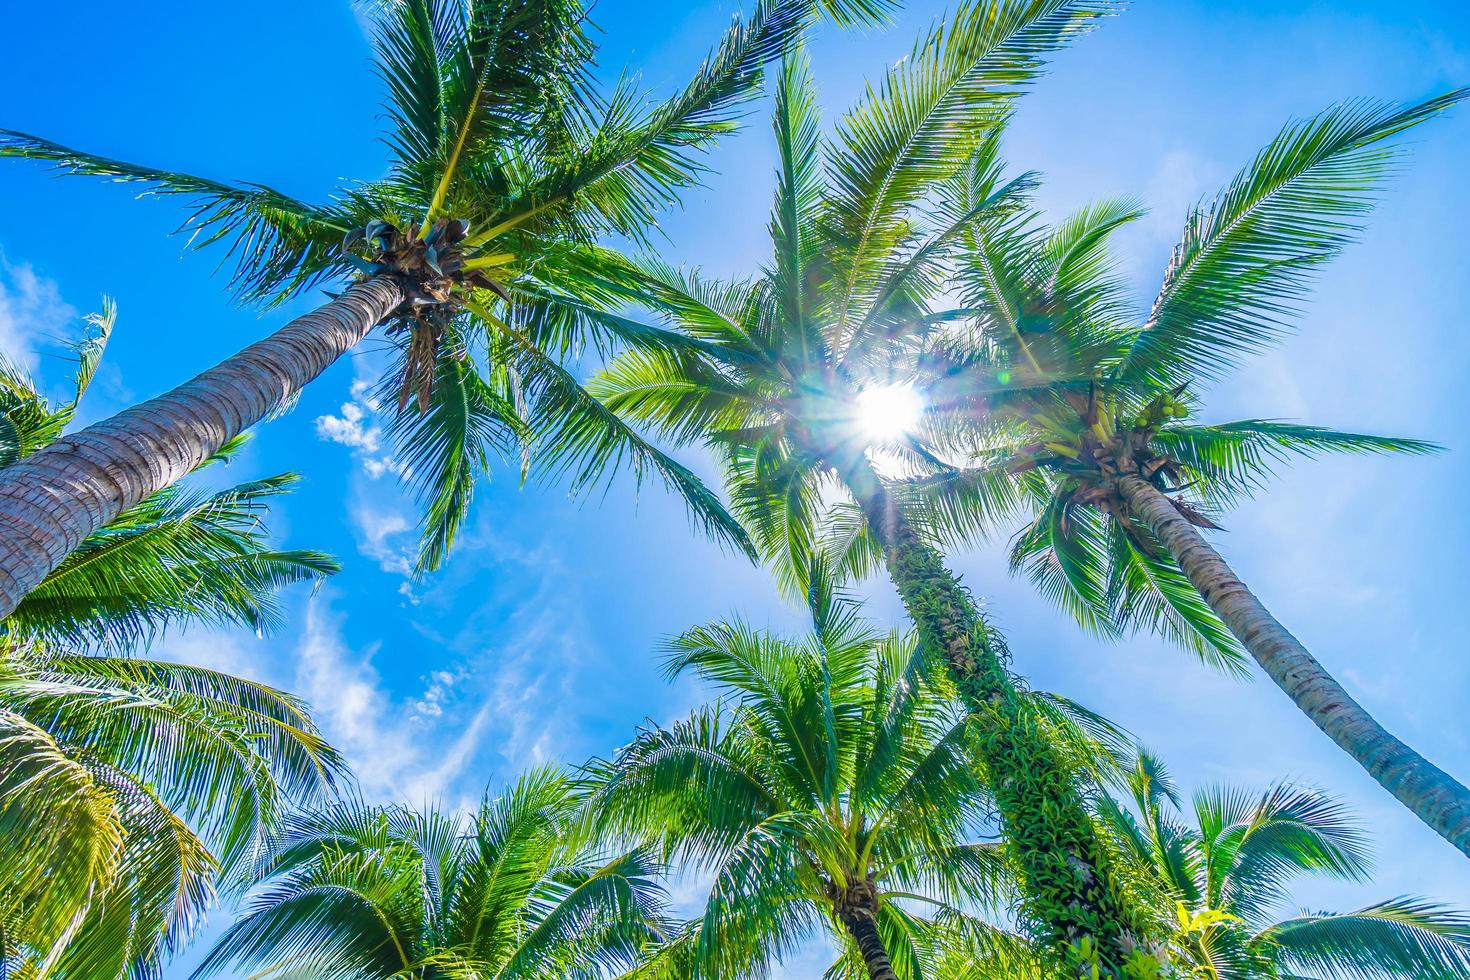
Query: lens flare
{"points": [[886, 412]]}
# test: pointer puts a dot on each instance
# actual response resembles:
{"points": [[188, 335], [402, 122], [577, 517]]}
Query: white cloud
{"points": [[412, 748], [439, 688], [382, 737], [349, 429], [225, 651], [437, 782], [536, 649], [379, 536], [354, 428], [533, 674], [31, 311]]}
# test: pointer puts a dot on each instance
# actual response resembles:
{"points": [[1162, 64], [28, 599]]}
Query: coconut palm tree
{"points": [[130, 787], [788, 361], [1228, 872], [831, 787], [1225, 865], [178, 555], [506, 160], [512, 891], [1067, 408]]}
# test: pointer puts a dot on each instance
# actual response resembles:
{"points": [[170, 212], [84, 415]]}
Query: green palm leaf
{"points": [[176, 556], [1234, 458], [514, 890], [293, 243], [1402, 938], [445, 448], [828, 760], [577, 434], [1230, 870], [1247, 257], [927, 116]]}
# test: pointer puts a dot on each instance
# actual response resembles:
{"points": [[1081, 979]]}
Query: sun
{"points": [[887, 412]]}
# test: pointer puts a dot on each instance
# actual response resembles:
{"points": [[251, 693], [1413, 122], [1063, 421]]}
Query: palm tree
{"points": [[506, 162], [1064, 406], [513, 891], [1228, 873], [831, 786], [784, 362], [177, 555], [130, 787]]}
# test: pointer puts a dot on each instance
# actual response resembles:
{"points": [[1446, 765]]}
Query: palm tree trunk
{"points": [[1429, 792], [55, 497], [1073, 887], [864, 931]]}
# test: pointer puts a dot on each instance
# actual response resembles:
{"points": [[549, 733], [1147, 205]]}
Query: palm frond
{"points": [[89, 350], [1247, 257], [447, 446], [1404, 938], [690, 787], [329, 924], [1253, 844], [926, 117], [64, 835], [280, 246], [466, 77], [634, 161], [175, 556], [1234, 458], [678, 396], [579, 435], [1148, 590], [1065, 554], [799, 190], [27, 420], [152, 908]]}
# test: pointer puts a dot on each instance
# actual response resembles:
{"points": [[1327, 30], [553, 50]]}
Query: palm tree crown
{"points": [[513, 891], [865, 228], [506, 162], [1224, 861], [831, 785], [1055, 400], [1052, 391], [1228, 873], [862, 242]]}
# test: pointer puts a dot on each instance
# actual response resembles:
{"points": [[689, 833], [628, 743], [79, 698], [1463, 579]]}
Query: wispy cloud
{"points": [[225, 651], [532, 675], [395, 754], [32, 312], [381, 532], [440, 688], [535, 648], [403, 745]]}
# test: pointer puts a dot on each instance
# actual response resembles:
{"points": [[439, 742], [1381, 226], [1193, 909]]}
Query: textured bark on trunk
{"points": [[1429, 792], [57, 496], [1073, 888], [864, 930]]}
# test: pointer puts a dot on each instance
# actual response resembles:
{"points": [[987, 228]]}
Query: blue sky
{"points": [[538, 642]]}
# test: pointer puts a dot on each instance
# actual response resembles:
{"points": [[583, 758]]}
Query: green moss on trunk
{"points": [[1075, 898]]}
